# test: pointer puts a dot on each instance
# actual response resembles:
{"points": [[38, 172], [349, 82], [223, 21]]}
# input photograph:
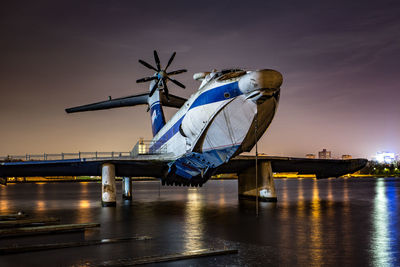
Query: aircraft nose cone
{"points": [[261, 80], [270, 79]]}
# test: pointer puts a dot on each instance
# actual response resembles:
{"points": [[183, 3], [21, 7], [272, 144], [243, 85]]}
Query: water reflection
{"points": [[316, 234], [329, 196], [381, 238], [40, 205], [221, 200], [325, 222], [284, 201], [84, 188], [329, 201], [84, 204], [40, 202], [286, 233], [302, 229], [300, 199], [3, 205], [3, 200], [347, 221], [193, 227]]}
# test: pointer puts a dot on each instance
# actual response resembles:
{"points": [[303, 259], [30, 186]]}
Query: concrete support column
{"points": [[126, 188], [108, 191], [265, 183]]}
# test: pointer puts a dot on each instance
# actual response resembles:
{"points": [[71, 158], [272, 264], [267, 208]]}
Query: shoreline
{"points": [[18, 180]]}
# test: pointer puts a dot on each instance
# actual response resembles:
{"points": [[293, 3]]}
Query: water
{"points": [[348, 222]]}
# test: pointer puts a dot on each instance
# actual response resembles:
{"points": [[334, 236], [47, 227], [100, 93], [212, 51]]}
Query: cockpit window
{"points": [[223, 75], [231, 75]]}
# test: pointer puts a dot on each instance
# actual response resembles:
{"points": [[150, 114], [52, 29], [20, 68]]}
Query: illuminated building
{"points": [[385, 157], [324, 154], [310, 156], [347, 157]]}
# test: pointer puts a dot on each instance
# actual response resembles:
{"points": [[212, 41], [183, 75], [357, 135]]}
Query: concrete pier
{"points": [[126, 188], [265, 183], [108, 190]]}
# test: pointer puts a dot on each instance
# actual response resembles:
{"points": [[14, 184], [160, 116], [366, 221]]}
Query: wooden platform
{"points": [[13, 216], [39, 247], [29, 221], [172, 257], [24, 231]]}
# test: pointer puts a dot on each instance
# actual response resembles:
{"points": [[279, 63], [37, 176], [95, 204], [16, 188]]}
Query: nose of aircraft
{"points": [[260, 80]]}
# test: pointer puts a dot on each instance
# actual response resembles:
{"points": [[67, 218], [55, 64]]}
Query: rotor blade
{"points": [[147, 65], [176, 72], [170, 60], [176, 82], [154, 88], [166, 90], [157, 60], [146, 79], [127, 101]]}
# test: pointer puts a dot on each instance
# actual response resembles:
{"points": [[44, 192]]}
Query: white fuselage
{"points": [[221, 114]]}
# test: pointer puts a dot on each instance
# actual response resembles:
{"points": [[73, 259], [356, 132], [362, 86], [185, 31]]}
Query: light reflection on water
{"points": [[315, 222], [300, 202], [317, 217], [329, 196], [302, 230], [382, 242], [347, 220], [284, 201], [193, 229], [84, 204], [316, 238], [284, 214], [40, 205], [3, 199], [40, 202]]}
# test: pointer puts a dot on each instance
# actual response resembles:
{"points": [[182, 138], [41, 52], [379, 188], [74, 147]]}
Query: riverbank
{"points": [[14, 180]]}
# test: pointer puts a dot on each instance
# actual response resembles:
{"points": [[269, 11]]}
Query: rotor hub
{"points": [[161, 76]]}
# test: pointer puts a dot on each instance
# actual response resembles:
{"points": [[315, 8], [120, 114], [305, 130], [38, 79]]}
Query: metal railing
{"points": [[145, 147], [62, 156], [142, 147]]}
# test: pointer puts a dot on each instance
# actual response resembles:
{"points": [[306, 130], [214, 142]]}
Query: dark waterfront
{"points": [[349, 222]]}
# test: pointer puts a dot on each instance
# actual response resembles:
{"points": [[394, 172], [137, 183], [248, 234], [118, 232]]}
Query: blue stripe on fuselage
{"points": [[167, 135], [157, 117], [216, 94]]}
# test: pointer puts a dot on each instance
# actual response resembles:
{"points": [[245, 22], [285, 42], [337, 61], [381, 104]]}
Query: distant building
{"points": [[385, 157], [324, 154], [346, 157], [310, 156]]}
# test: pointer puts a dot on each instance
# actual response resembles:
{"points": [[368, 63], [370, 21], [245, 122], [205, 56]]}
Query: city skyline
{"points": [[338, 60]]}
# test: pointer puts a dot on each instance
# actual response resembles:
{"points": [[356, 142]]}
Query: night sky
{"points": [[340, 61]]}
